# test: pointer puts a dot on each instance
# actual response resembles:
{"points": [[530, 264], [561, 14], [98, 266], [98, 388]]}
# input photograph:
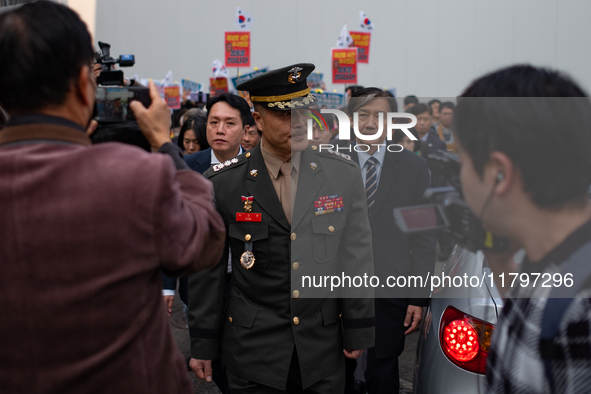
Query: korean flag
{"points": [[364, 22], [243, 20], [345, 40]]}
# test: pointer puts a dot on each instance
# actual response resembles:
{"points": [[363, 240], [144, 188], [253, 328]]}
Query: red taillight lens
{"points": [[460, 340], [465, 340]]}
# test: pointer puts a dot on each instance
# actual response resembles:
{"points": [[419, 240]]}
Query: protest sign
{"points": [[190, 86], [361, 40], [330, 100], [237, 49], [172, 96], [315, 80], [344, 65], [218, 86], [245, 77]]}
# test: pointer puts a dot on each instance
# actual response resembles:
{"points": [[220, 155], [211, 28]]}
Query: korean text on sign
{"points": [[344, 65], [237, 49]]}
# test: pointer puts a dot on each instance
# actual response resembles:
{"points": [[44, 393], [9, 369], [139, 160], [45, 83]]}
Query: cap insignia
{"points": [[294, 75]]}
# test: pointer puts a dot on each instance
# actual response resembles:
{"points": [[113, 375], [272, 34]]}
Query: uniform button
{"points": [[247, 237], [247, 155], [331, 229], [230, 319], [314, 147], [295, 266], [296, 294], [296, 320], [340, 315], [293, 236]]}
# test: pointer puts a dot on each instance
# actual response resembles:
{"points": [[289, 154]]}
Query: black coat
{"points": [[433, 145], [403, 181]]}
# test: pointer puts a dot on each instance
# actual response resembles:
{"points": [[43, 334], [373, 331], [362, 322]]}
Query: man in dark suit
{"points": [[226, 124], [393, 179], [277, 334], [87, 228]]}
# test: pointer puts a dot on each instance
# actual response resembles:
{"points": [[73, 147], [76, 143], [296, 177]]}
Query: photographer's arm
{"points": [[155, 124], [155, 120], [190, 234]]}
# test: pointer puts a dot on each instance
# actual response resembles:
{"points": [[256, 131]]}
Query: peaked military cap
{"points": [[282, 89]]}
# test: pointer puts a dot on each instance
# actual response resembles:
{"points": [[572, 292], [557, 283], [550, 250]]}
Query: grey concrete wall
{"points": [[426, 47]]}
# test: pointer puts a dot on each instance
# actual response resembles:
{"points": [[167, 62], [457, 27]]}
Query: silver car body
{"points": [[434, 372]]}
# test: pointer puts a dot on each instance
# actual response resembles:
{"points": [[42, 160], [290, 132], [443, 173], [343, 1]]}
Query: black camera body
{"points": [[109, 76], [448, 210]]}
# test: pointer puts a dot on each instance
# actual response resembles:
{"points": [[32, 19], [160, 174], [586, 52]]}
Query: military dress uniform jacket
{"points": [[266, 317]]}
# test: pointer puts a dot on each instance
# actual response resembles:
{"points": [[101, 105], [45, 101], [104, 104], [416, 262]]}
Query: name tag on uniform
{"points": [[248, 217]]}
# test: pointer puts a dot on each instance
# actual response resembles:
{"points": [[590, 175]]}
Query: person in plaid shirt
{"points": [[525, 149]]}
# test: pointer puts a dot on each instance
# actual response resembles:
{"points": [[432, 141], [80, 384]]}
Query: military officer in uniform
{"points": [[290, 211]]}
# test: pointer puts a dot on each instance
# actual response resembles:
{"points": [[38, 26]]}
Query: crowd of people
{"points": [[244, 202], [435, 117]]}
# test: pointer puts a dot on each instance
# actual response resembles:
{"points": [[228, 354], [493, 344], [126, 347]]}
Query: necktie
{"points": [[285, 182], [371, 183]]}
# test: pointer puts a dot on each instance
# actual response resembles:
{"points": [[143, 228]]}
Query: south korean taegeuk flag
{"points": [[364, 22], [243, 20], [219, 70], [345, 40]]}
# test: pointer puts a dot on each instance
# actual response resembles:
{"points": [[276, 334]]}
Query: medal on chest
{"points": [[248, 215], [247, 258]]}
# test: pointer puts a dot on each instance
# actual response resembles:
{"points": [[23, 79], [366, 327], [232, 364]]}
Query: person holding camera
{"points": [[86, 229], [523, 177]]}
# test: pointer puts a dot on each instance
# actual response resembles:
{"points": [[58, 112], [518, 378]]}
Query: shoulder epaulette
{"points": [[227, 163], [344, 156], [217, 168], [334, 152]]}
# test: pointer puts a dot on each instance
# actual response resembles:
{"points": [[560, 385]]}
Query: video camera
{"points": [[112, 100], [112, 112], [448, 210], [109, 76]]}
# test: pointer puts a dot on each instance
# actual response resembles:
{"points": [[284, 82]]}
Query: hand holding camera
{"points": [[154, 121]]}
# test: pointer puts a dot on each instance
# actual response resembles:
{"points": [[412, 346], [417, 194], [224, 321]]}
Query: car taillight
{"points": [[465, 340]]}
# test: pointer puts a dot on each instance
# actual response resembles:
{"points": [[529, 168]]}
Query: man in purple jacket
{"points": [[85, 230]]}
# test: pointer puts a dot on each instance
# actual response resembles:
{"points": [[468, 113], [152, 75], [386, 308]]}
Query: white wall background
{"points": [[430, 48]]}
